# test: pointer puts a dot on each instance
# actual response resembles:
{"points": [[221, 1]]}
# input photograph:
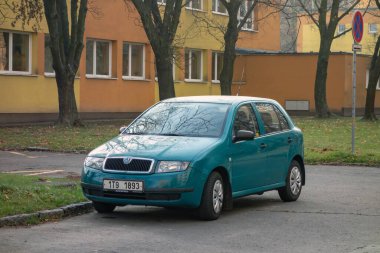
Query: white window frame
{"points": [[216, 4], [367, 80], [48, 74], [214, 54], [244, 27], [190, 51], [339, 28], [189, 6], [370, 30], [10, 53], [94, 74], [129, 76]]}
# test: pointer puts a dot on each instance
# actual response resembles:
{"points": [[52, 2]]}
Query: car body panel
{"points": [[250, 168]]}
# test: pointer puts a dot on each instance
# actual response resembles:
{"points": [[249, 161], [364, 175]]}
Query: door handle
{"points": [[290, 139], [263, 145]]}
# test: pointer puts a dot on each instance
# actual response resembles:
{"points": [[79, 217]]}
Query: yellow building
{"points": [[308, 39], [117, 73]]}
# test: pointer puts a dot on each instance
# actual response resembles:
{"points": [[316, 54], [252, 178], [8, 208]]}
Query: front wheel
{"points": [[293, 187], [212, 198], [103, 207]]}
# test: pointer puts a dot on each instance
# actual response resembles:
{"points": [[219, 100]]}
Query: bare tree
{"points": [[240, 16], [66, 44], [374, 75], [66, 49], [325, 14], [160, 28]]}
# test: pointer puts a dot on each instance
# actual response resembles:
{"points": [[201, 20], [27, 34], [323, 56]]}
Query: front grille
{"points": [[137, 165]]}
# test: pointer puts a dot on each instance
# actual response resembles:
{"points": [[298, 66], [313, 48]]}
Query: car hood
{"points": [[155, 146]]}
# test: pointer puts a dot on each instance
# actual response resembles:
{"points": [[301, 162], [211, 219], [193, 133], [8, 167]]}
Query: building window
{"points": [[195, 4], [341, 28], [133, 61], [248, 25], [98, 58], [193, 65], [218, 7], [367, 80], [372, 28], [15, 52], [217, 64], [49, 71]]}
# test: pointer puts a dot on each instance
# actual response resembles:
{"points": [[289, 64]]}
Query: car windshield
{"points": [[181, 119]]}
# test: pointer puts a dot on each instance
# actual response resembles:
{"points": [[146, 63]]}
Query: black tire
{"points": [[207, 211], [101, 207], [293, 187]]}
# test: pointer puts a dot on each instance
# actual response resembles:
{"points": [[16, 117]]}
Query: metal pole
{"points": [[353, 102]]}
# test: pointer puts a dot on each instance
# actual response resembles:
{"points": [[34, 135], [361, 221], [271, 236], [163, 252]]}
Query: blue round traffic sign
{"points": [[357, 27]]}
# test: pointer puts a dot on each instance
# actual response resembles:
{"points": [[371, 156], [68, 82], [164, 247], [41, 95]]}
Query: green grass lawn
{"points": [[28, 194], [326, 141], [329, 141]]}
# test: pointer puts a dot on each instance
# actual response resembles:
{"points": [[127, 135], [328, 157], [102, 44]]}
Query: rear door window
{"points": [[269, 117]]}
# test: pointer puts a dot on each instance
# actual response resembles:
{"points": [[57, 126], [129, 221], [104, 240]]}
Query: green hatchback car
{"points": [[198, 152]]}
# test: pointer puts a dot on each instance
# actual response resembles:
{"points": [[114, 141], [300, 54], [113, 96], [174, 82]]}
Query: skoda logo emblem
{"points": [[127, 160]]}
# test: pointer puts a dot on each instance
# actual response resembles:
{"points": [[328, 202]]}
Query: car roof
{"points": [[217, 99]]}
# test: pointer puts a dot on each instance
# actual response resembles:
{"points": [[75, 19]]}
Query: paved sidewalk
{"points": [[41, 163]]}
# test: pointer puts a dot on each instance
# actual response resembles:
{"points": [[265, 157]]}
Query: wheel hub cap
{"points": [[295, 180], [217, 196]]}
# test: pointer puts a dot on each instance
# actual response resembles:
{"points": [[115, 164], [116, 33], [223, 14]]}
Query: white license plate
{"points": [[122, 185]]}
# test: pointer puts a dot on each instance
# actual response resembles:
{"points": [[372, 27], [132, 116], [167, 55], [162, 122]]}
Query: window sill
{"points": [[101, 77], [135, 79], [220, 13], [249, 30], [17, 74], [49, 75], [197, 10], [195, 81], [215, 82]]}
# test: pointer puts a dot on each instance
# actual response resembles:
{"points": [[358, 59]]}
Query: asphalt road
{"points": [[338, 211], [41, 163]]}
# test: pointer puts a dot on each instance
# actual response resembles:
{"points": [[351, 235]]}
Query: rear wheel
{"points": [[212, 198], [293, 187], [101, 207]]}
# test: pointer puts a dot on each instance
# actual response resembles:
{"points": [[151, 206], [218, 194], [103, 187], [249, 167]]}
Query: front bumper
{"points": [[161, 189]]}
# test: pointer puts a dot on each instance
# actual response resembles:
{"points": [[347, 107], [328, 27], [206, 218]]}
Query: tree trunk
{"points": [[229, 57], [68, 112], [374, 74], [321, 107], [164, 67]]}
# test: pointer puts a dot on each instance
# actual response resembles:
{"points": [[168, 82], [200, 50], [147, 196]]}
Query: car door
{"points": [[246, 157], [275, 141]]}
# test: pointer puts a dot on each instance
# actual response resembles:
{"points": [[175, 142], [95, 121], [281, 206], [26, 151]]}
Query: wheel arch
{"points": [[299, 159]]}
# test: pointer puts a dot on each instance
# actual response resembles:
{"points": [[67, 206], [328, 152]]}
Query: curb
{"points": [[45, 215]]}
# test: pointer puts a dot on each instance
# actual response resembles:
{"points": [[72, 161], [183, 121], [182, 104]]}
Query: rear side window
{"points": [[283, 122], [269, 117], [245, 119]]}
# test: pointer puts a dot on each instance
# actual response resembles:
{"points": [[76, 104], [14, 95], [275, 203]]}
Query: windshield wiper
{"points": [[171, 134]]}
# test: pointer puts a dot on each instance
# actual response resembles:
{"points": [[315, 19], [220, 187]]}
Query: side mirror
{"points": [[244, 135], [122, 129]]}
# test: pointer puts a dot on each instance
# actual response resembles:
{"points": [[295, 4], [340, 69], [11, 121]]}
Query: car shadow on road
{"points": [[138, 214]]}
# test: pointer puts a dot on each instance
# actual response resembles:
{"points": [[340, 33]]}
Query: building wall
{"points": [[309, 40], [291, 77], [36, 92]]}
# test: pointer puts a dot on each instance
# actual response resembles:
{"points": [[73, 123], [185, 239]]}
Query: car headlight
{"points": [[171, 166], [94, 162]]}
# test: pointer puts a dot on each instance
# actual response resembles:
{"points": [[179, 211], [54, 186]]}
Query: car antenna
{"points": [[241, 80]]}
